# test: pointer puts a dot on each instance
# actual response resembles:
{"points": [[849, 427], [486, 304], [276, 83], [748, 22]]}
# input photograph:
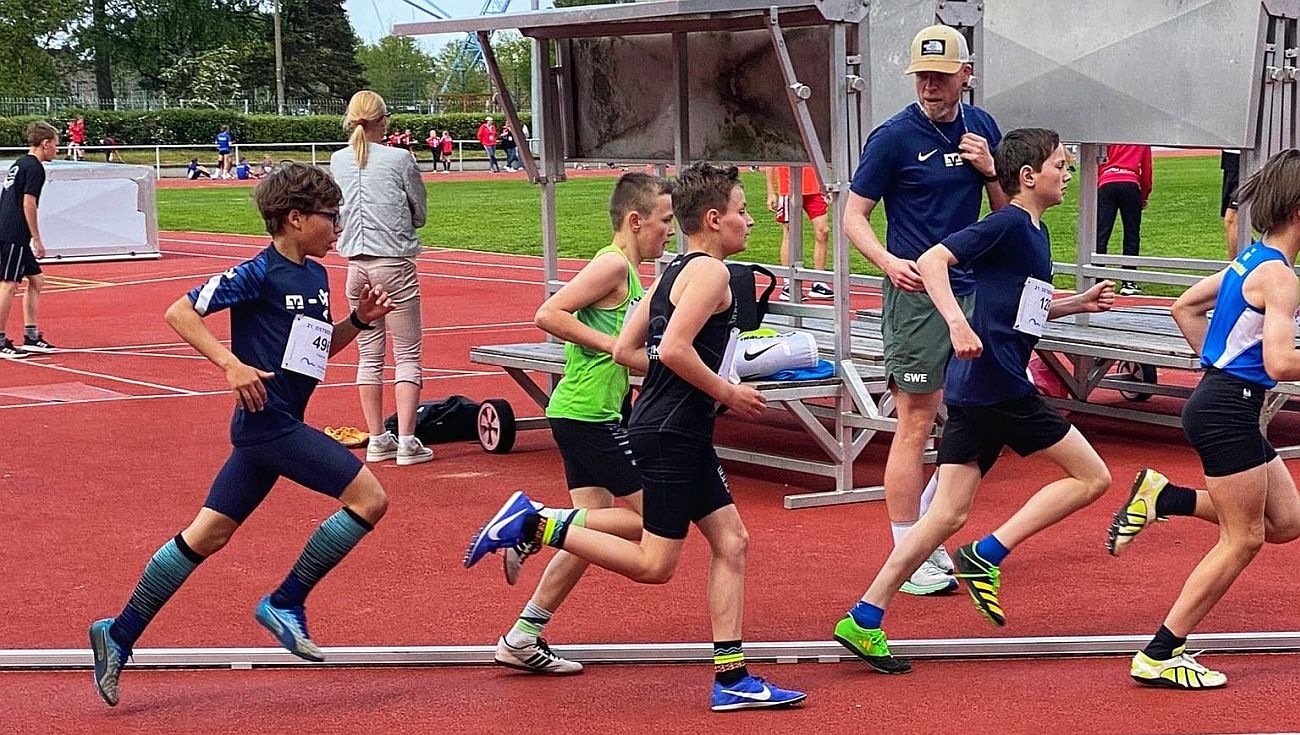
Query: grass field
{"points": [[504, 216]]}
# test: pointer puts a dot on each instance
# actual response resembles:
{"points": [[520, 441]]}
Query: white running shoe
{"points": [[929, 579], [941, 559], [381, 447], [412, 452], [535, 657]]}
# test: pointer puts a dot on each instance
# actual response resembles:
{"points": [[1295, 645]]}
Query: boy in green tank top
{"points": [[586, 407]]}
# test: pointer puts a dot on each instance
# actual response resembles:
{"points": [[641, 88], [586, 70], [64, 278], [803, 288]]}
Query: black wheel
{"points": [[496, 426], [1136, 372]]}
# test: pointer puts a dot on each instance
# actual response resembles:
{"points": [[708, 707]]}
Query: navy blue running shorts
{"points": [[978, 433], [304, 455]]}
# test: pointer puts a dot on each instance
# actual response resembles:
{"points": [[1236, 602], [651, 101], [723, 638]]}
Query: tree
{"points": [[396, 68], [204, 80], [320, 50], [28, 30]]}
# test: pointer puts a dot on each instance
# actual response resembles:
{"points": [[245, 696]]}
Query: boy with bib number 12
{"points": [[991, 403], [281, 337]]}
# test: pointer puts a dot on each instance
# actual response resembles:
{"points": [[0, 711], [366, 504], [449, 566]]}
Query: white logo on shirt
{"points": [[293, 301], [923, 157], [952, 159]]}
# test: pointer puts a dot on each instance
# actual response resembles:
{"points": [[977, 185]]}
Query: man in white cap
{"points": [[931, 164]]}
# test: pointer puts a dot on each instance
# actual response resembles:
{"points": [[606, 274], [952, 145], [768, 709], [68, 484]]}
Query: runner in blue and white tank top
{"points": [[1247, 347], [1235, 341]]}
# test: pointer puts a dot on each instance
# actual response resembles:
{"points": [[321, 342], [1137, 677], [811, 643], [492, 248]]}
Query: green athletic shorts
{"points": [[917, 346]]}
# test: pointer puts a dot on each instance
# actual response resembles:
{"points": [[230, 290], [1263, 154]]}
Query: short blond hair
{"points": [[39, 132]]}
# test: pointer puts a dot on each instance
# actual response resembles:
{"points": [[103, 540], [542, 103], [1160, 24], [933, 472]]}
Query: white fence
{"points": [[317, 153], [50, 105]]}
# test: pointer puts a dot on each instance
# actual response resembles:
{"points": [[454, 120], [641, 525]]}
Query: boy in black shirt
{"points": [[20, 238]]}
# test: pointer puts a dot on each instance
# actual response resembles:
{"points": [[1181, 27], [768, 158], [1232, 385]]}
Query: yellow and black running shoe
{"points": [[1181, 671], [983, 580], [1138, 511]]}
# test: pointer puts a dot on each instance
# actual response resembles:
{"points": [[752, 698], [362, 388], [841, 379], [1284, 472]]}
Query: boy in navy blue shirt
{"points": [[991, 403], [281, 336]]}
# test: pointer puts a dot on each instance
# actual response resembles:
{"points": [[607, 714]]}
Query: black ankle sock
{"points": [[1176, 501], [728, 662], [533, 527], [1161, 648]]}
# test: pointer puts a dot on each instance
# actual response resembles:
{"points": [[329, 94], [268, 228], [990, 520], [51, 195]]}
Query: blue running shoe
{"points": [[110, 657], [504, 530], [289, 628], [753, 692]]}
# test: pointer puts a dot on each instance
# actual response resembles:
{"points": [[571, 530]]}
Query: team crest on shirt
{"points": [[952, 159], [293, 301]]}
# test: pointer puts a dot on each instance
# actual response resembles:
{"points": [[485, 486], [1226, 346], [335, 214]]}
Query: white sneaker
{"points": [[412, 452], [381, 447], [1182, 671], [535, 657], [929, 579], [941, 559]]}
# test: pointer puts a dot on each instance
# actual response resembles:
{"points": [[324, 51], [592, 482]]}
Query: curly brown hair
{"points": [[295, 186]]}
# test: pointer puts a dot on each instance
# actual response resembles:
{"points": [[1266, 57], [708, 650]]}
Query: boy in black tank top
{"points": [[677, 337]]}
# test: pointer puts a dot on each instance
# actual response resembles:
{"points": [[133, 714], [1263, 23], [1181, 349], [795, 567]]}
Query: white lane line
{"points": [[190, 394], [159, 386]]}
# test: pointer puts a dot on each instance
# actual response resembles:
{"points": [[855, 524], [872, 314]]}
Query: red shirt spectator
{"points": [[487, 133], [77, 131], [1127, 163], [447, 144]]}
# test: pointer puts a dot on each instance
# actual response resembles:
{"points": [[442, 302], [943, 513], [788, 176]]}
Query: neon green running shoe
{"points": [[1179, 672], [870, 645], [983, 580], [1138, 511]]}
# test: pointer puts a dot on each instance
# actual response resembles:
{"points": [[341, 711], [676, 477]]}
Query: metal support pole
{"points": [[279, 59], [507, 102], [1087, 230]]}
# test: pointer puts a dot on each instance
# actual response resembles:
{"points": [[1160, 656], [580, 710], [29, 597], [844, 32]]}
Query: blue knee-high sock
{"points": [[163, 575], [336, 536]]}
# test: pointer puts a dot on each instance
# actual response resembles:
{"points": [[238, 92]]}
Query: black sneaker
{"points": [[983, 581], [9, 352], [820, 290], [37, 345]]}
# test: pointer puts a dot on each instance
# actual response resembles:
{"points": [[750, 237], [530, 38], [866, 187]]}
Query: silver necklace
{"points": [[961, 115]]}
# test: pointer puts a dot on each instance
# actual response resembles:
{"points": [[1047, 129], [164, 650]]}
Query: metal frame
{"points": [[787, 652]]}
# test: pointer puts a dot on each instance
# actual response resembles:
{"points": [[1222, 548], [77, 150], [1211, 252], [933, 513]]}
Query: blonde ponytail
{"points": [[365, 109]]}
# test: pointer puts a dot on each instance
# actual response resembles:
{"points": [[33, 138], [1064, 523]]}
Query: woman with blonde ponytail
{"points": [[383, 205]]}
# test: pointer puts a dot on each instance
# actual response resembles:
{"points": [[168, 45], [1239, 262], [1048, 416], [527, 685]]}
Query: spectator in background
{"points": [[384, 203], [487, 137], [267, 167], [511, 149], [77, 139], [243, 171], [110, 149], [1230, 162], [197, 170], [435, 148], [224, 141], [447, 145], [1123, 186], [815, 204]]}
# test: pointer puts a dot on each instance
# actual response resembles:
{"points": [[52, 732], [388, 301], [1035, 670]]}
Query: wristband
{"points": [[358, 323], [991, 179]]}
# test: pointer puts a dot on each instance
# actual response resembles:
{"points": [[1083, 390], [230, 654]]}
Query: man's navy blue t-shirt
{"points": [[264, 295], [929, 192], [1002, 250]]}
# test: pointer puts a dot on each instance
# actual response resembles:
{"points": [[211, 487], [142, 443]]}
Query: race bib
{"points": [[309, 347], [1035, 303]]}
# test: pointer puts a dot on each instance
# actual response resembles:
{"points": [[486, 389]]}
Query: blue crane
{"points": [[470, 55]]}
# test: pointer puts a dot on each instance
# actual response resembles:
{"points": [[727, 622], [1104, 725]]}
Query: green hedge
{"points": [[199, 127]]}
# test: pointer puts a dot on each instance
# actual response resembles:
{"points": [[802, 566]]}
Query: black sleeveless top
{"points": [[667, 403]]}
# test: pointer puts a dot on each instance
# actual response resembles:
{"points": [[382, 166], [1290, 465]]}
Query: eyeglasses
{"points": [[335, 217]]}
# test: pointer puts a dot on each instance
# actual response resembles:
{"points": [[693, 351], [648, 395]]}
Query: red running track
{"points": [[95, 486]]}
